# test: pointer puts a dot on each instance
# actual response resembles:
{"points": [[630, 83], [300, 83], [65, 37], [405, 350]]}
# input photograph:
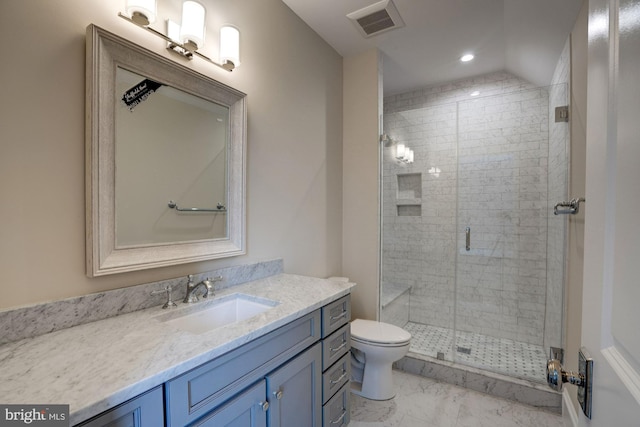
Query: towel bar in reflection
{"points": [[219, 208]]}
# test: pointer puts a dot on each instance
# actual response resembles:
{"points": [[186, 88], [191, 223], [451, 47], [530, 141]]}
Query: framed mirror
{"points": [[165, 161]]}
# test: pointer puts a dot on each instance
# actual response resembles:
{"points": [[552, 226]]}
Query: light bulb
{"points": [[192, 27], [229, 47]]}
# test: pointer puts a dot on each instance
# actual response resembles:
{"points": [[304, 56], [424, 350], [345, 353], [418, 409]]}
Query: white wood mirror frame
{"points": [[105, 52]]}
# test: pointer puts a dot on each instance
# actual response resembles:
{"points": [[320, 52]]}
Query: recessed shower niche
{"points": [[409, 197]]}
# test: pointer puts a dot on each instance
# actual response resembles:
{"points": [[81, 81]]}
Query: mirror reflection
{"points": [[162, 139], [171, 163]]}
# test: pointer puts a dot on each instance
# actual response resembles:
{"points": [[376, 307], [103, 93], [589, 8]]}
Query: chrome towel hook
{"points": [[573, 205]]}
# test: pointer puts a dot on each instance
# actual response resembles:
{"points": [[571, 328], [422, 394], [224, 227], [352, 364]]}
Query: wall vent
{"points": [[376, 18]]}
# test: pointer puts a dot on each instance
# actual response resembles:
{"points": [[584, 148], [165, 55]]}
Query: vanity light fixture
{"points": [[142, 12], [186, 38], [192, 27], [229, 46], [409, 157], [404, 153]]}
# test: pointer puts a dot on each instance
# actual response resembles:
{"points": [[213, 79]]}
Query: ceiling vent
{"points": [[376, 18]]}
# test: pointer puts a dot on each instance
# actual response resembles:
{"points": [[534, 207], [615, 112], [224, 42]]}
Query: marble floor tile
{"points": [[423, 402]]}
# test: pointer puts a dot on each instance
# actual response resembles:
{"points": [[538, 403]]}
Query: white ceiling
{"points": [[524, 37]]}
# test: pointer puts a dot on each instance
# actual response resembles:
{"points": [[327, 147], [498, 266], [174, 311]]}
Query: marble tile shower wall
{"points": [[418, 249], [484, 159], [502, 197]]}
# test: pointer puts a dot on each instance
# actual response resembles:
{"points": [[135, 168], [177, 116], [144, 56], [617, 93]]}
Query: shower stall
{"points": [[473, 257]]}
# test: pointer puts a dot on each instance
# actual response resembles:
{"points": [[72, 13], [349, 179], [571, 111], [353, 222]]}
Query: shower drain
{"points": [[464, 350]]}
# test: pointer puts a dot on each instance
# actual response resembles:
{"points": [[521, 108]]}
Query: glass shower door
{"points": [[418, 227], [501, 257]]}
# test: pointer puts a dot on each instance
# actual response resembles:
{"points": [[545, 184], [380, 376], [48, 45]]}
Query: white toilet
{"points": [[374, 348]]}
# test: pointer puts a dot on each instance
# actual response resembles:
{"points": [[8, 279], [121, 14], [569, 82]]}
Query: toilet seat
{"points": [[378, 333]]}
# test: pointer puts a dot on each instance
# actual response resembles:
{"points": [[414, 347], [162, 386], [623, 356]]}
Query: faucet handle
{"points": [[169, 302], [209, 285]]}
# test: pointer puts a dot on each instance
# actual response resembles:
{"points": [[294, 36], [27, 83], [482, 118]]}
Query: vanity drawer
{"points": [[193, 394], [335, 377], [336, 346], [335, 315], [335, 413]]}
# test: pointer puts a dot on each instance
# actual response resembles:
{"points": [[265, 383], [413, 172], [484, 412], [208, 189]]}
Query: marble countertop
{"points": [[96, 366]]}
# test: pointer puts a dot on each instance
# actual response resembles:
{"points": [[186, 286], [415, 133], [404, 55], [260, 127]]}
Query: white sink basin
{"points": [[220, 312]]}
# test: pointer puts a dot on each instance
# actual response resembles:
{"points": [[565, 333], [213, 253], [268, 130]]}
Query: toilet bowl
{"points": [[375, 346]]}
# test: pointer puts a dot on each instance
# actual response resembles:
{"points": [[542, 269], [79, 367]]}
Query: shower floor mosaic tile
{"points": [[504, 356]]}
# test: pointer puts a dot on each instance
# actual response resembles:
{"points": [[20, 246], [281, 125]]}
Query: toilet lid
{"points": [[378, 332]]}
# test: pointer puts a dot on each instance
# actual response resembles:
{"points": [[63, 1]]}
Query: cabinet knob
{"points": [[278, 394], [264, 406]]}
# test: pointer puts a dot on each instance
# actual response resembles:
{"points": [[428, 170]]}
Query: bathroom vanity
{"points": [[286, 366]]}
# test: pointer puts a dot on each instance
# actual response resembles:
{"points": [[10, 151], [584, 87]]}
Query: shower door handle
{"points": [[467, 234], [557, 376]]}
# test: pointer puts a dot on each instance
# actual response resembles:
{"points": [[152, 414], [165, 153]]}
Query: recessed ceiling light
{"points": [[474, 93], [466, 58]]}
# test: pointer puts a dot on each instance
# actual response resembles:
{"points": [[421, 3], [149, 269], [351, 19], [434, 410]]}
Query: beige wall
{"points": [[573, 295], [361, 204], [294, 179]]}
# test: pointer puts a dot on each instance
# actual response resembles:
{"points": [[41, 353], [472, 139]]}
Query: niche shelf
{"points": [[410, 186], [409, 210], [409, 195]]}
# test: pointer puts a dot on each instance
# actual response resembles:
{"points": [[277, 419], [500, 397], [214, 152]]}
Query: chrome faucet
{"points": [[191, 287]]}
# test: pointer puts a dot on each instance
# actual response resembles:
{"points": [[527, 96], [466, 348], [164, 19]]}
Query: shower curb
{"points": [[518, 390]]}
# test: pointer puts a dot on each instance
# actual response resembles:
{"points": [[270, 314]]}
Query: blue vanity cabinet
{"points": [[335, 315], [275, 357], [336, 362], [335, 413], [336, 377], [295, 391], [288, 396], [297, 375], [146, 410], [248, 409]]}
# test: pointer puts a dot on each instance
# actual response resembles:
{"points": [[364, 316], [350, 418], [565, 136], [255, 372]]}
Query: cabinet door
{"points": [[146, 410], [248, 409], [295, 391]]}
